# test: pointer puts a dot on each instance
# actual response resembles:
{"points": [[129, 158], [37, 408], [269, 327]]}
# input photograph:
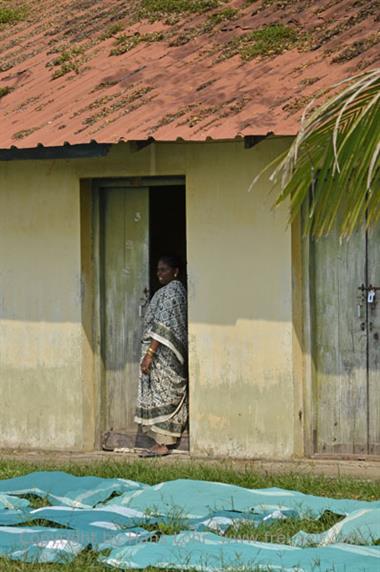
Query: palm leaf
{"points": [[336, 152]]}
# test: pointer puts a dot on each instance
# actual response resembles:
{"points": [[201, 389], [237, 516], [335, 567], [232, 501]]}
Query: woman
{"points": [[162, 395]]}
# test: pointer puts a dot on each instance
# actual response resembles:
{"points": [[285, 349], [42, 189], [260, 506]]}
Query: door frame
{"points": [[309, 397], [93, 372]]}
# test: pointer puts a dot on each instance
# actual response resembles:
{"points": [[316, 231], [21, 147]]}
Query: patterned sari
{"points": [[162, 394]]}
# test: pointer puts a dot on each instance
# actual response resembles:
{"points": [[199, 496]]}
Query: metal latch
{"points": [[371, 296]]}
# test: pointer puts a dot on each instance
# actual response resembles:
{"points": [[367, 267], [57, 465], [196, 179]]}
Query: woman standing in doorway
{"points": [[162, 394]]}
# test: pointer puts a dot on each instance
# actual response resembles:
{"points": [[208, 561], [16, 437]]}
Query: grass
{"points": [[4, 91], [105, 84], [266, 3], [270, 40], [12, 15], [219, 17], [157, 9], [125, 43], [70, 59], [112, 31], [281, 531], [118, 103], [85, 562], [356, 49], [24, 133], [153, 472]]}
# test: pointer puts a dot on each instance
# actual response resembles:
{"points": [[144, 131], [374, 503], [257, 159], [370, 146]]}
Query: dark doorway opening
{"points": [[167, 216], [167, 236]]}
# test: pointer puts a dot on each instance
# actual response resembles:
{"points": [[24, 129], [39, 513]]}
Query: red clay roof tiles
{"points": [[79, 70]]}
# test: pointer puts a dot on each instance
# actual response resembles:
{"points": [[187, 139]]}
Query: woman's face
{"points": [[166, 273]]}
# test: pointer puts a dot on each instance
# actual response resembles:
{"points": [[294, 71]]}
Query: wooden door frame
{"points": [[93, 372], [301, 342], [309, 426]]}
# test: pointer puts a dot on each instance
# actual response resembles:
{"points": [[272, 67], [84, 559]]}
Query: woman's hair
{"points": [[171, 260]]}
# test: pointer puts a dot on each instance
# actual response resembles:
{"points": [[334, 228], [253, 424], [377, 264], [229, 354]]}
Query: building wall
{"points": [[40, 329], [240, 314]]}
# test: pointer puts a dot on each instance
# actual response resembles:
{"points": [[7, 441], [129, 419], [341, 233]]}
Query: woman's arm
{"points": [[153, 346], [149, 356]]}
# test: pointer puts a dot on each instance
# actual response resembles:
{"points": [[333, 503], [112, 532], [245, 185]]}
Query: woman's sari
{"points": [[162, 394]]}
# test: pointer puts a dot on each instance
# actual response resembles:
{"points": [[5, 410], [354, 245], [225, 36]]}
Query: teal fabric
{"points": [[77, 519], [9, 502], [197, 499], [91, 518], [209, 552], [44, 544], [39, 544], [66, 489], [124, 517], [359, 527]]}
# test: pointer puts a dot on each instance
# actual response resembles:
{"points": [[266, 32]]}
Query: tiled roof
{"points": [[109, 70]]}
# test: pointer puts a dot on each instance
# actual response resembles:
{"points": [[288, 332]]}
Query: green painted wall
{"points": [[240, 315]]}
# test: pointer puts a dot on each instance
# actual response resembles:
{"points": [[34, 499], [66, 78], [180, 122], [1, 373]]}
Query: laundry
{"points": [[359, 527], [198, 499], [125, 529], [211, 553], [66, 489]]}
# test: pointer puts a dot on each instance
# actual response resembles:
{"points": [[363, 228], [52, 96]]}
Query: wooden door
{"points": [[124, 233], [345, 346], [374, 343]]}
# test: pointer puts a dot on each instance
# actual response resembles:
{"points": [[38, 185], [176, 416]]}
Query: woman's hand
{"points": [[146, 363]]}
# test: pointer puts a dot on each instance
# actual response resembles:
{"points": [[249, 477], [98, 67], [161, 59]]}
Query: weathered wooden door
{"points": [[345, 344], [374, 343], [124, 236]]}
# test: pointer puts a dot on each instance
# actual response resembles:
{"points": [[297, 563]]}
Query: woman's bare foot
{"points": [[156, 451], [160, 449]]}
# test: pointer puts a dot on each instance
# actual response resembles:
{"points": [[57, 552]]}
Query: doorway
{"points": [[139, 220], [345, 344]]}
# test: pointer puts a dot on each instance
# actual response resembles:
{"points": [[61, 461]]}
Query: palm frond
{"points": [[336, 152]]}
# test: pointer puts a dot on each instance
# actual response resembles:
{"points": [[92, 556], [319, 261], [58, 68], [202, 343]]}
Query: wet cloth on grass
{"points": [[63, 488], [92, 519]]}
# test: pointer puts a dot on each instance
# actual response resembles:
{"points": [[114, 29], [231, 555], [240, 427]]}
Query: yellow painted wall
{"points": [[240, 315], [40, 329]]}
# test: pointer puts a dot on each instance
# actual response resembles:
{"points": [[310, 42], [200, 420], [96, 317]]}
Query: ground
{"points": [[155, 471]]}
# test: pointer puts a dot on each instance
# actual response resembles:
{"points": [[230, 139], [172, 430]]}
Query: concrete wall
{"points": [[40, 329], [240, 315]]}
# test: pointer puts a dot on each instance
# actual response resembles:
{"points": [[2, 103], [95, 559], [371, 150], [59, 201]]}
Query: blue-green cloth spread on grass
{"points": [[359, 527], [209, 552], [63, 488], [90, 517], [9, 502], [198, 499]]}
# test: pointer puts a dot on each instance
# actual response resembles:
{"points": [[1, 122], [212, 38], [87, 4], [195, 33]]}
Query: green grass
{"points": [[219, 17], [85, 562], [24, 133], [266, 3], [4, 91], [125, 43], [156, 9], [356, 49], [12, 15], [69, 59], [281, 531], [153, 472], [112, 31], [268, 41]]}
